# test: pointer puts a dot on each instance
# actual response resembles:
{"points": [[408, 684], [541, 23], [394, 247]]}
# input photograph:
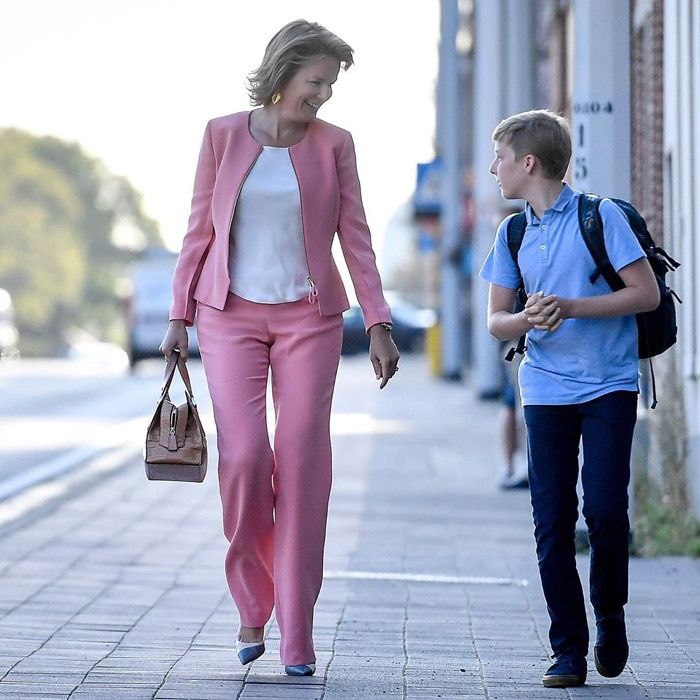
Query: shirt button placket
{"points": [[544, 242]]}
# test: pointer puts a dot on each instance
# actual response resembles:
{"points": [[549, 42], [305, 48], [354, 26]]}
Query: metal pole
{"points": [[489, 91], [449, 149]]}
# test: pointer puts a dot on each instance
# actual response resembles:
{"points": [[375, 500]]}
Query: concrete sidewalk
{"points": [[431, 588]]}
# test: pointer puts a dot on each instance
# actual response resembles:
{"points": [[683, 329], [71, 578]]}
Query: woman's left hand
{"points": [[383, 354]]}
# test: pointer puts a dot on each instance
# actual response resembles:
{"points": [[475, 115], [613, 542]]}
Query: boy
{"points": [[579, 379]]}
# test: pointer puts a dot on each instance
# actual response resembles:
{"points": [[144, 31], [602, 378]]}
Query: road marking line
{"points": [[36, 494], [122, 434], [425, 578]]}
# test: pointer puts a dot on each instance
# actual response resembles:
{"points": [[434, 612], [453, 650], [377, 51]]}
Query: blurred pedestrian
{"points": [[273, 185], [511, 426], [579, 380]]}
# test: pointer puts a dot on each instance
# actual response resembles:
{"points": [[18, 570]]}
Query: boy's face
{"points": [[510, 174]]}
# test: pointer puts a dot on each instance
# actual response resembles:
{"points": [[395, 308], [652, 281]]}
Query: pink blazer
{"points": [[324, 162]]}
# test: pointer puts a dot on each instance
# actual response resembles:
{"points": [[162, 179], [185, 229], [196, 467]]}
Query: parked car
{"points": [[9, 337], [409, 326], [148, 305]]}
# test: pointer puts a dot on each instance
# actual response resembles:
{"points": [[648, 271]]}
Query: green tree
{"points": [[59, 259]]}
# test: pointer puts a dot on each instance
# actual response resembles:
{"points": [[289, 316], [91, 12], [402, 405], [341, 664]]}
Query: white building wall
{"points": [[682, 201]]}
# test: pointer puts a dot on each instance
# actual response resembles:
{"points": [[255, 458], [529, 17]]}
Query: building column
{"points": [[602, 128], [601, 111], [503, 84]]}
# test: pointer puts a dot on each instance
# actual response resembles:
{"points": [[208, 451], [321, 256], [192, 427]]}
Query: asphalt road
{"points": [[55, 415]]}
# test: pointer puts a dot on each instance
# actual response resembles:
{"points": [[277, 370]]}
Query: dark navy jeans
{"points": [[606, 425]]}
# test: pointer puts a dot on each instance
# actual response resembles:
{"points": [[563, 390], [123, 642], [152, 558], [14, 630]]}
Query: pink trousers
{"points": [[275, 499]]}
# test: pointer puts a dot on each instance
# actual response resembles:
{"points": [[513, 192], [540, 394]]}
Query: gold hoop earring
{"points": [[276, 98]]}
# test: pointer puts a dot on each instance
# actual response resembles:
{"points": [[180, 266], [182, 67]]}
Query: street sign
{"points": [[427, 199]]}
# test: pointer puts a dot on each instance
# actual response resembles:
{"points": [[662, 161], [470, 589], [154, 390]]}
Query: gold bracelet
{"points": [[386, 326]]}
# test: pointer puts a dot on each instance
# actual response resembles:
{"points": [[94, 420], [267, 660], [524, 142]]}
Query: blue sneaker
{"points": [[566, 671], [300, 670]]}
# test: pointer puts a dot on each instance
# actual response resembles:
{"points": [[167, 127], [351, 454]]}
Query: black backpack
{"points": [[657, 330]]}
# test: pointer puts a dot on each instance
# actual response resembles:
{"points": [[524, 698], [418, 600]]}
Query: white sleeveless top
{"points": [[267, 260]]}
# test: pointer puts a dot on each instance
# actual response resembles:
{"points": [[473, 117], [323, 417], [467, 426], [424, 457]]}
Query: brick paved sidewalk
{"points": [[118, 591]]}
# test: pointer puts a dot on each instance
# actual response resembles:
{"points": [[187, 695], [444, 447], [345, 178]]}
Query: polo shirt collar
{"points": [[562, 201]]}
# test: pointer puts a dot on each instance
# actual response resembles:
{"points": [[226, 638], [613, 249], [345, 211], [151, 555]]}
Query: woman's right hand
{"points": [[175, 337]]}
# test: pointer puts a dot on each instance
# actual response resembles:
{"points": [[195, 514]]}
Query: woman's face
{"points": [[309, 88]]}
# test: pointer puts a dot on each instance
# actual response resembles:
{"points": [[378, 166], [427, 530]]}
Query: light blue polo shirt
{"points": [[585, 357]]}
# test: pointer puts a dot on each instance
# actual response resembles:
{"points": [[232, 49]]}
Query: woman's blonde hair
{"points": [[541, 133], [296, 44]]}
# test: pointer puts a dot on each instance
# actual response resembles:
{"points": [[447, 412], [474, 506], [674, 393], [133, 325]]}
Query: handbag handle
{"points": [[175, 360]]}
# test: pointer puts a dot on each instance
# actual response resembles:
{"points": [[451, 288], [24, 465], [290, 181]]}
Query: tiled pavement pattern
{"points": [[118, 592]]}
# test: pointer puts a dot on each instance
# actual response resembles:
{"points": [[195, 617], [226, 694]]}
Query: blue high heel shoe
{"points": [[249, 651], [300, 670]]}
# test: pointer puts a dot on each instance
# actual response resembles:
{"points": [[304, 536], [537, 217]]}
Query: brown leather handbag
{"points": [[176, 445]]}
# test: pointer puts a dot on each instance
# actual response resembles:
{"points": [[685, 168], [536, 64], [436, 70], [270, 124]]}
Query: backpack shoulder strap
{"points": [[515, 230], [591, 224]]}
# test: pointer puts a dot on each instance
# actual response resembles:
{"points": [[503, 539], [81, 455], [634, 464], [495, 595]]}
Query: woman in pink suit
{"points": [[272, 188]]}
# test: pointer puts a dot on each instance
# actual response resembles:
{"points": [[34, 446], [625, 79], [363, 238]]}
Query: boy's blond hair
{"points": [[541, 133]]}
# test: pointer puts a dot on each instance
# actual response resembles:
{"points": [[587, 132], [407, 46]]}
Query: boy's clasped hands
{"points": [[543, 312]]}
